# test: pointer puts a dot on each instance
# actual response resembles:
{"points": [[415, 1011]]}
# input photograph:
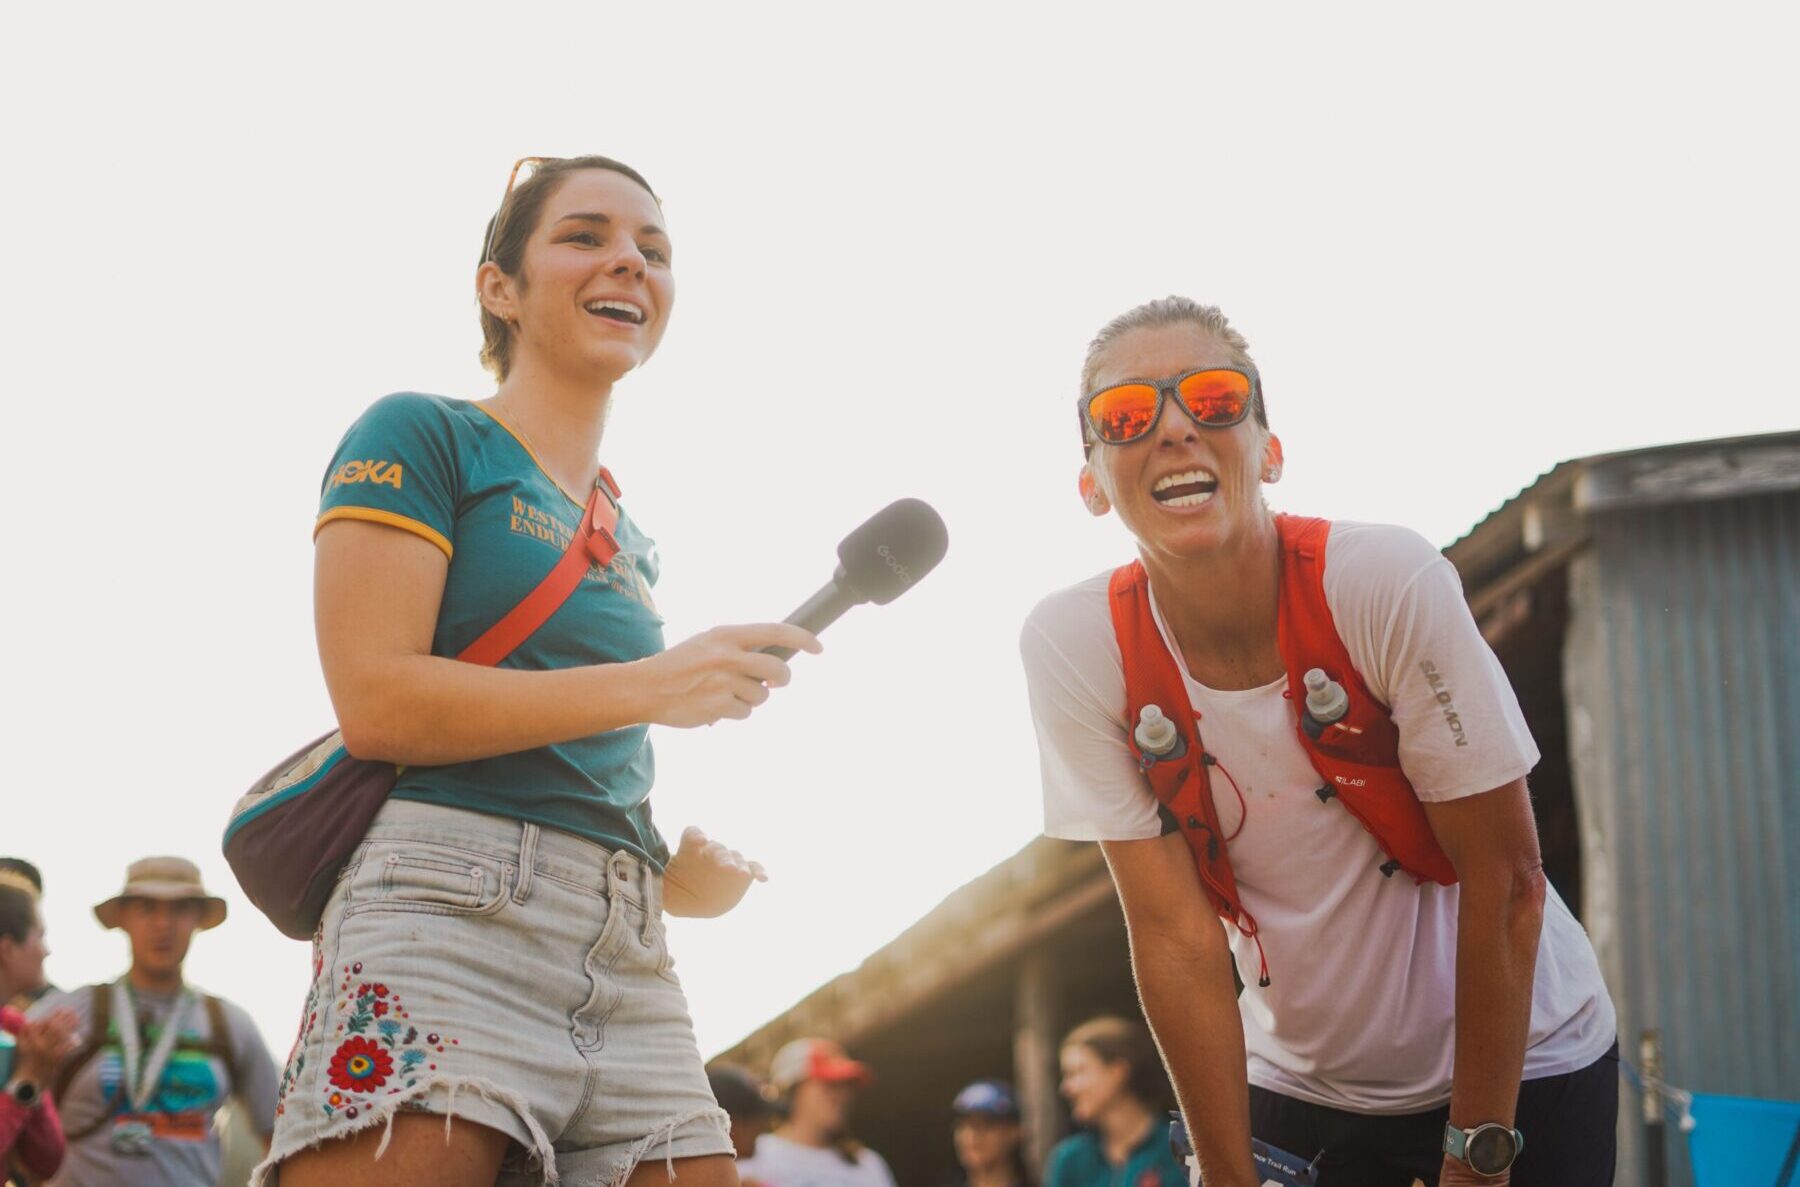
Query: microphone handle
{"points": [[819, 611]]}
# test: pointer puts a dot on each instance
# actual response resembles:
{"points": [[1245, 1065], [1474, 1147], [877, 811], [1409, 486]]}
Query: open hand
{"points": [[44, 1043], [705, 879]]}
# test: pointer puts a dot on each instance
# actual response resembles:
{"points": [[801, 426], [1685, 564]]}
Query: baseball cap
{"points": [[737, 1092], [987, 1098], [815, 1059]]}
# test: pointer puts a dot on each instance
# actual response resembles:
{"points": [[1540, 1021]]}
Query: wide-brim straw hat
{"points": [[175, 879]]}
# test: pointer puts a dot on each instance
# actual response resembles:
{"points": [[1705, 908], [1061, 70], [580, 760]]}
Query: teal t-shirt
{"points": [[1079, 1162], [459, 477]]}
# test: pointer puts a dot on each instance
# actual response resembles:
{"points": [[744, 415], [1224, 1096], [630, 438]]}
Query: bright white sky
{"points": [[1465, 243]]}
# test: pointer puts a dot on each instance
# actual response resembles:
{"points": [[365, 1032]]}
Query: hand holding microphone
{"points": [[729, 670], [724, 672]]}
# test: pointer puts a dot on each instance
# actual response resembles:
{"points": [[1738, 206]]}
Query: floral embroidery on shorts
{"points": [[309, 1014], [360, 1066], [381, 1051]]}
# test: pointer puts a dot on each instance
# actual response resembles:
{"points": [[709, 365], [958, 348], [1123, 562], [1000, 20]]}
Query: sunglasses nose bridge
{"points": [[1186, 424]]}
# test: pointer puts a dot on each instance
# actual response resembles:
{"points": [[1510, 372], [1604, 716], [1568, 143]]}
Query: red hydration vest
{"points": [[1358, 756]]}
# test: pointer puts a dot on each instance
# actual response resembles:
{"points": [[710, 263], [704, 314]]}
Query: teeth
{"points": [[1183, 480], [1193, 500], [635, 312]]}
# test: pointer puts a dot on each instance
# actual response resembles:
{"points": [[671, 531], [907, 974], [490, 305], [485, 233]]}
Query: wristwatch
{"points": [[26, 1093], [1489, 1150]]}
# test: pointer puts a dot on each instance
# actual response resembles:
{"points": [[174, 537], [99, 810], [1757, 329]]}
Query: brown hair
{"points": [[18, 913], [512, 226], [1128, 1040]]}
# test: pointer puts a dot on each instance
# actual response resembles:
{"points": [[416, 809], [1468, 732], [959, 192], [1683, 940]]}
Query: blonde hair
{"points": [[17, 881]]}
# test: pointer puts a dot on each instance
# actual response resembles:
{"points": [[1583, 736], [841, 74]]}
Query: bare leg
{"points": [[418, 1155], [717, 1170]]}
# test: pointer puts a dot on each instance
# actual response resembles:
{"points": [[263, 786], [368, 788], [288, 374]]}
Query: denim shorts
{"points": [[490, 970]]}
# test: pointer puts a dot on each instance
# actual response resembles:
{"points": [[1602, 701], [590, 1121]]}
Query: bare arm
{"points": [[1183, 968], [376, 594], [1492, 841]]}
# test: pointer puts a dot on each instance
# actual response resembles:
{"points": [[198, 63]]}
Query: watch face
{"points": [[1492, 1149]]}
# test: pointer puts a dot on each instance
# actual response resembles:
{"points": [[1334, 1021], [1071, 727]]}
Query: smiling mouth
{"points": [[624, 312], [1188, 489]]}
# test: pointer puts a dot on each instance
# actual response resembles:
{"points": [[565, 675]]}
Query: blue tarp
{"points": [[1738, 1142]]}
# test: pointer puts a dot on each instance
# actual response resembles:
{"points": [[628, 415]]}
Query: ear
{"points": [[1091, 495], [1271, 471], [494, 289]]}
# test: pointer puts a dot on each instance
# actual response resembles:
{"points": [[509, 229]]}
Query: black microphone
{"points": [[877, 563]]}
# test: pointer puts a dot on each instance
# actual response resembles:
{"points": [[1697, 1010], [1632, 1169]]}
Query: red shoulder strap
{"points": [[1303, 622], [1361, 767], [1182, 786], [593, 544]]}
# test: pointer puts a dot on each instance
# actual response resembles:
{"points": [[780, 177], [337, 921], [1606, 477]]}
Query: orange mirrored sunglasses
{"points": [[1217, 398]]}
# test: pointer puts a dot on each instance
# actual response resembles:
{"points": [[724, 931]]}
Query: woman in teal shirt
{"points": [[494, 952], [1113, 1081]]}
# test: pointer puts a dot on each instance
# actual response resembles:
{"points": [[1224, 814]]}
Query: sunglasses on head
{"points": [[512, 180], [1217, 397]]}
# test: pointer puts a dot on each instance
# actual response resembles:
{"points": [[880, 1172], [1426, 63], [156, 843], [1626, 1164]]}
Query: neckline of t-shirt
{"points": [[1279, 684], [529, 452], [1230, 694]]}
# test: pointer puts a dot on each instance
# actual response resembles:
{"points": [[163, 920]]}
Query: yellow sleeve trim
{"points": [[371, 515]]}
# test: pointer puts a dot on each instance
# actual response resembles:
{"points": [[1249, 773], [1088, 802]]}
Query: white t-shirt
{"points": [[778, 1162], [1359, 1014]]}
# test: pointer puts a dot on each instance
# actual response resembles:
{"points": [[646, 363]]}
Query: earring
{"points": [[1272, 474]]}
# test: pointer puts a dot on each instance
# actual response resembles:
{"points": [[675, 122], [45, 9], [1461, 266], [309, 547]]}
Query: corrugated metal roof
{"points": [[1721, 447]]}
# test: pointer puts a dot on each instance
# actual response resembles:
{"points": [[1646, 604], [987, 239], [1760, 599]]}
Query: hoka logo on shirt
{"points": [[381, 473]]}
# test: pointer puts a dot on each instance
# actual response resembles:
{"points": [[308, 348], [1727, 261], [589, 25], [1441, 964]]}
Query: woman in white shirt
{"points": [[1406, 1028]]}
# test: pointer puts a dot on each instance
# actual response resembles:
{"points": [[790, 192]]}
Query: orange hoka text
{"points": [[382, 473]]}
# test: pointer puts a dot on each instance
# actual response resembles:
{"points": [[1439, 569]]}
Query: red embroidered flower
{"points": [[360, 1065], [380, 1008]]}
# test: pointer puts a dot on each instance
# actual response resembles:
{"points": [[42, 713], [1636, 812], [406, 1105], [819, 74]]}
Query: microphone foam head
{"points": [[898, 545]]}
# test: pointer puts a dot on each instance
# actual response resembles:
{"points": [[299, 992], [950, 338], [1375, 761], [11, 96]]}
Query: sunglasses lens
{"points": [[1216, 397], [1122, 413]]}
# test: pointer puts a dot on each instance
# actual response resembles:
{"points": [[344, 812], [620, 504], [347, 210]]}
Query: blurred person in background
{"points": [[22, 875], [1113, 1081], [813, 1146], [140, 1096], [31, 1135], [752, 1113], [989, 1140]]}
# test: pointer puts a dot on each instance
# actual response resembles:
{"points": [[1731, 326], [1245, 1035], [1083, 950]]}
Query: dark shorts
{"points": [[1569, 1123]]}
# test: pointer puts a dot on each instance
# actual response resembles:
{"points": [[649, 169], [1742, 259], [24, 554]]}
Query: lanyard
{"points": [[141, 1079]]}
